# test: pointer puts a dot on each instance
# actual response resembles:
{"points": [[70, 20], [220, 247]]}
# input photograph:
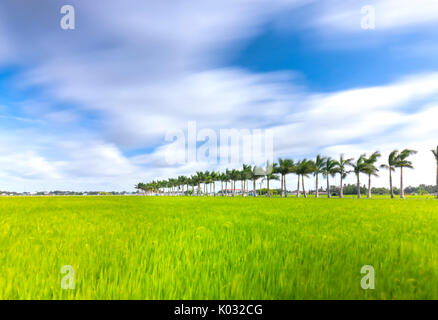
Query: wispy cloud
{"points": [[138, 69]]}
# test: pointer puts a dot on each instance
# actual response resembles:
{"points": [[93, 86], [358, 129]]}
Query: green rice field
{"points": [[217, 248]]}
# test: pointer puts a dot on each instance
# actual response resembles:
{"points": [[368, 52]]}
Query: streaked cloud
{"points": [[98, 101]]}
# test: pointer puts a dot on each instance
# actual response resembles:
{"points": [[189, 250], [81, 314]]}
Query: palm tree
{"points": [[140, 186], [403, 162], [319, 165], [235, 175], [200, 179], [163, 184], [435, 153], [392, 161], [207, 182], [358, 168], [328, 170], [222, 178], [270, 174], [181, 183], [285, 166], [303, 169], [297, 172], [341, 168], [245, 175], [370, 169], [195, 181], [172, 184], [254, 176], [227, 179], [214, 177], [188, 183]]}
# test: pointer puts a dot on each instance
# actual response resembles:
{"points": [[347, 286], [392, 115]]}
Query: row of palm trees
{"points": [[204, 183]]}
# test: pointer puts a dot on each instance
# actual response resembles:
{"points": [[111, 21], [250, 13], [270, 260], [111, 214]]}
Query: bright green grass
{"points": [[217, 248]]}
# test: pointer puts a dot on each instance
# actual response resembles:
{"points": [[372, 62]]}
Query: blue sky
{"points": [[377, 60], [88, 109]]}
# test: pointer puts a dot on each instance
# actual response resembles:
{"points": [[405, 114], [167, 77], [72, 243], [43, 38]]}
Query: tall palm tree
{"points": [[435, 153], [254, 176], [227, 179], [195, 180], [199, 180], [297, 172], [292, 167], [285, 166], [222, 178], [370, 169], [328, 170], [392, 161], [403, 162], [235, 175], [319, 165], [214, 177], [172, 185], [188, 183], [341, 168], [181, 183], [207, 182], [245, 175], [303, 169], [282, 170], [270, 174], [358, 168]]}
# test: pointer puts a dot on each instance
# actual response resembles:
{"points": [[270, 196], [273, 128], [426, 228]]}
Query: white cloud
{"points": [[139, 69], [345, 16]]}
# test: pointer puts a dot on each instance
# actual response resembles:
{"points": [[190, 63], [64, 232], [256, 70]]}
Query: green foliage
{"points": [[273, 192], [421, 189]]}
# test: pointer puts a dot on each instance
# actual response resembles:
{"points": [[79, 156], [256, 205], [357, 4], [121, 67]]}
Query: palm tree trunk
{"points": [[390, 183], [316, 183], [254, 187], [304, 189], [298, 187], [341, 188], [285, 188], [437, 181], [234, 187], [328, 187], [358, 186], [369, 186], [281, 188], [402, 192], [267, 190]]}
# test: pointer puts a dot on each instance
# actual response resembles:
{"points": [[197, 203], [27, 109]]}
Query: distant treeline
{"points": [[351, 189]]}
